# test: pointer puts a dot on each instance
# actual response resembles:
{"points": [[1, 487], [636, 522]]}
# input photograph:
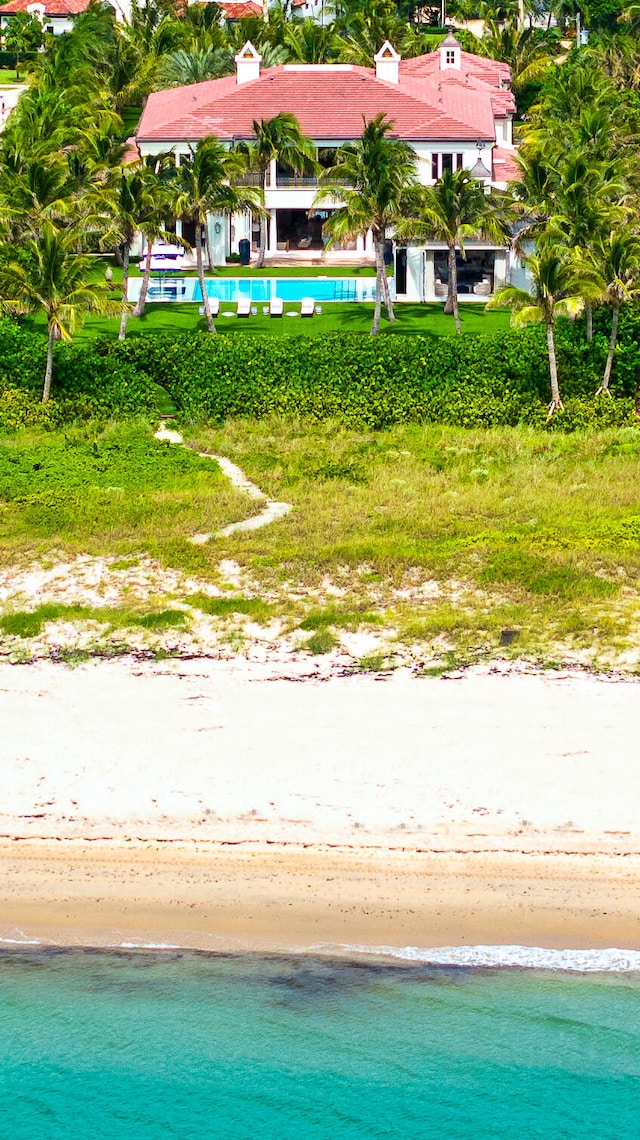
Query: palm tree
{"points": [[193, 65], [617, 260], [206, 182], [47, 274], [372, 179], [558, 289], [129, 201], [528, 51], [156, 204], [279, 138], [585, 205], [452, 210]]}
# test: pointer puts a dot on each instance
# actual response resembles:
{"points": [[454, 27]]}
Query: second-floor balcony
{"points": [[288, 181]]}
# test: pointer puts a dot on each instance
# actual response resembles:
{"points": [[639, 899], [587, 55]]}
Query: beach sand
{"points": [[202, 804]]}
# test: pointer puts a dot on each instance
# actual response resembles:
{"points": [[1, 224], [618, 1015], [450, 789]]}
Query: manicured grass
{"points": [[426, 320], [459, 544], [7, 75], [236, 270]]}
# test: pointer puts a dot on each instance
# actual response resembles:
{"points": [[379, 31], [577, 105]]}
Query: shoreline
{"points": [[267, 900]]}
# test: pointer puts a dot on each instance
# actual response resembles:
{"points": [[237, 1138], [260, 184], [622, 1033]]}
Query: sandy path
{"points": [[271, 512]]}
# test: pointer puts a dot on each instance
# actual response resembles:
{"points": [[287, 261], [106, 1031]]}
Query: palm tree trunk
{"points": [[604, 387], [379, 247], [142, 299], [451, 305], [263, 225], [206, 304], [385, 285], [556, 402], [588, 312], [48, 372], [125, 289]]}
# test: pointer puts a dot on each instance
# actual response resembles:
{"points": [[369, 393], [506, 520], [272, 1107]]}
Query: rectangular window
{"points": [[460, 161], [434, 167], [451, 56], [447, 162]]}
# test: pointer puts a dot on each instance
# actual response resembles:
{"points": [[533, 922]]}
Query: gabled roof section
{"points": [[241, 10], [329, 100], [476, 73], [505, 166], [52, 8]]}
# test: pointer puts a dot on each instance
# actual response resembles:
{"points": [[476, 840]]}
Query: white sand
{"points": [[202, 750]]}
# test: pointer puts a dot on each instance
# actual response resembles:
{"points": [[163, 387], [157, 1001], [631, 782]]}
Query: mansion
{"points": [[455, 109]]}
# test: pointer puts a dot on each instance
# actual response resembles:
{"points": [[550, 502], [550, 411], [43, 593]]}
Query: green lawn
{"points": [[441, 537], [427, 320], [7, 76]]}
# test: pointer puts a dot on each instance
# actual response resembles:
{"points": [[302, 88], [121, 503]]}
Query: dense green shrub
{"points": [[481, 381], [87, 384], [464, 381], [20, 409]]}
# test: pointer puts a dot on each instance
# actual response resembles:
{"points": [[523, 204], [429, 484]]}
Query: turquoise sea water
{"points": [[142, 1045]]}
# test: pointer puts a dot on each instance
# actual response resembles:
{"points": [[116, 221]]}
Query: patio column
{"points": [[429, 282], [272, 242], [360, 243], [499, 268], [271, 180], [368, 244]]}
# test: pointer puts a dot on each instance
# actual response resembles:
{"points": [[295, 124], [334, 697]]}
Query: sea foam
{"points": [[610, 960]]}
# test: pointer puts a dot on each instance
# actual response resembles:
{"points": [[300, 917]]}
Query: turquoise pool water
{"points": [[259, 290], [145, 1045]]}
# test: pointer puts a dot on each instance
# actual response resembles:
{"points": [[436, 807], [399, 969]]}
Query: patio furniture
{"points": [[441, 289], [307, 307], [282, 246], [244, 307], [305, 242], [483, 288], [276, 307], [214, 305]]}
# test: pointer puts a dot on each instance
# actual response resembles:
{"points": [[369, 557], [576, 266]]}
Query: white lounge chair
{"points": [[276, 307], [214, 305], [307, 307], [244, 307]]}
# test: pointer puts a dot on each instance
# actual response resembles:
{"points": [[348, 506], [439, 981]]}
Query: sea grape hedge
{"points": [[366, 382], [87, 384], [491, 380]]}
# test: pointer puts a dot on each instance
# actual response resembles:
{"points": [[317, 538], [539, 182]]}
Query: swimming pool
{"points": [[259, 290]]}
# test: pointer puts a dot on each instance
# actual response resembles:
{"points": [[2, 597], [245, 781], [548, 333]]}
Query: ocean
{"points": [[150, 1045]]}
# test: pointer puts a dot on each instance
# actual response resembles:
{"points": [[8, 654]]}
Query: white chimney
{"points": [[450, 53], [387, 63], [247, 64]]}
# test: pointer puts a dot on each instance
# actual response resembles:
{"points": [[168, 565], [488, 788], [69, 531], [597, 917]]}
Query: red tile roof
{"points": [[505, 167], [131, 154], [59, 8], [330, 102], [476, 74], [240, 11]]}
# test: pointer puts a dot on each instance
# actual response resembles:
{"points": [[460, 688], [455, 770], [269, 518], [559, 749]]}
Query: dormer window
{"points": [[450, 53]]}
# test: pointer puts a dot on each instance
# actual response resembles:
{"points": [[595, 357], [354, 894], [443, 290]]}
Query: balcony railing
{"points": [[249, 178], [296, 181]]}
